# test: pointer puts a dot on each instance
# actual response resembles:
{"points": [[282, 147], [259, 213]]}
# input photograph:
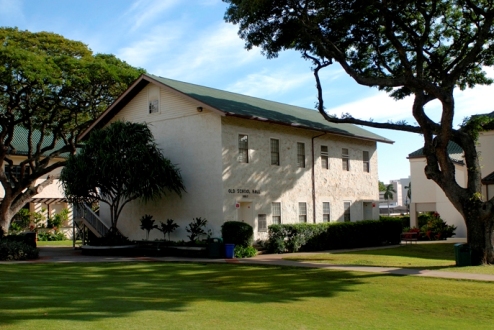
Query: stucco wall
{"points": [[428, 196], [192, 140], [289, 184]]}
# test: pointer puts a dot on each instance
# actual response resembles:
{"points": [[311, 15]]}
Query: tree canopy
{"points": [[424, 49], [51, 89], [119, 164]]}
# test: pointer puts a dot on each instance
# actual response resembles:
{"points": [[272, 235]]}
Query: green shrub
{"points": [[238, 233], [13, 250], [436, 228], [244, 251], [327, 236], [51, 236]]}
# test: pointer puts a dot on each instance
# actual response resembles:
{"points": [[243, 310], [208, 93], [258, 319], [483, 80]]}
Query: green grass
{"points": [[55, 243], [405, 256], [156, 295], [440, 256]]}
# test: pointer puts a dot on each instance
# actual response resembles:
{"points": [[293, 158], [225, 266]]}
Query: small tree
{"points": [[196, 228], [388, 194], [117, 165], [168, 227], [147, 224]]}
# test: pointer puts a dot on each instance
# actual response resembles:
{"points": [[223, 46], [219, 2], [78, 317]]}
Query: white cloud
{"points": [[380, 107], [144, 12], [266, 83], [155, 48], [211, 52]]}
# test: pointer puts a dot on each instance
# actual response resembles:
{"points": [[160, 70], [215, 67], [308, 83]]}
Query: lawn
{"points": [[155, 295], [66, 242], [440, 256]]}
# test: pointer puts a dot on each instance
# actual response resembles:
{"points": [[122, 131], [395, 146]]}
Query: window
{"points": [[262, 225], [325, 212], [276, 213], [154, 99], [366, 161], [243, 148], [275, 152], [345, 159], [300, 154], [302, 212], [346, 214], [324, 157]]}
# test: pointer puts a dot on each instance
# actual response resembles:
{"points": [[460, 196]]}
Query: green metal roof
{"points": [[20, 142], [455, 152], [259, 109]]}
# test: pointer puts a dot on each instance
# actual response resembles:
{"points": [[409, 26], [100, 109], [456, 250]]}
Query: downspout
{"points": [[314, 180]]}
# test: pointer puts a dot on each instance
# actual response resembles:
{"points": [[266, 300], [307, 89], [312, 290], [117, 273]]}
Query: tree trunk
{"points": [[479, 235], [6, 214]]}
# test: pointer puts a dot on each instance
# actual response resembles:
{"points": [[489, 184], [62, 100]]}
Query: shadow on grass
{"points": [[88, 292]]}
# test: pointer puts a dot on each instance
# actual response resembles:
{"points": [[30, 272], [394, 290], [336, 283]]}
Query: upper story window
{"points": [[345, 158], [300, 154], [325, 212], [302, 212], [154, 99], [276, 213], [243, 148], [275, 152], [324, 157], [365, 157]]}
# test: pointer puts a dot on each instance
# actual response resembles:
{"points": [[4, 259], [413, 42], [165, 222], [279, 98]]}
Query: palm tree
{"points": [[388, 193]]}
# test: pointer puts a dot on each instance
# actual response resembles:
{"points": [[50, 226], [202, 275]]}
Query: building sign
{"points": [[244, 191]]}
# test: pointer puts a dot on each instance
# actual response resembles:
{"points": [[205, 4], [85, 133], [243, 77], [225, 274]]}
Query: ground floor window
{"points": [[346, 214], [302, 212], [262, 225], [276, 213], [325, 212]]}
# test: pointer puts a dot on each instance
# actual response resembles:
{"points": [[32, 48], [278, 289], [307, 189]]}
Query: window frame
{"points": [[325, 157], [345, 159], [243, 153], [262, 225], [273, 215], [328, 213], [347, 214], [302, 212], [366, 161], [301, 156], [275, 153]]}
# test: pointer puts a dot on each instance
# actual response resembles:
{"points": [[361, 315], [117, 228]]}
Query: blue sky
{"points": [[189, 41]]}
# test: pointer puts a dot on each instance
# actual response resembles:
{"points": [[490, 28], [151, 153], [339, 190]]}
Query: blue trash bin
{"points": [[229, 251]]}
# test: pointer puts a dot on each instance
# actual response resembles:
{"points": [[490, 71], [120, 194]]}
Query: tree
{"points": [[119, 164], [51, 89], [423, 49], [382, 186], [388, 194]]}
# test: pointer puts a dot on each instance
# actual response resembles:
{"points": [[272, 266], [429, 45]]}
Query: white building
{"points": [[426, 194], [400, 201], [248, 159]]}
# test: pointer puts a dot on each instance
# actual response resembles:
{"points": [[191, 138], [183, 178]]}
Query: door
{"points": [[245, 213]]}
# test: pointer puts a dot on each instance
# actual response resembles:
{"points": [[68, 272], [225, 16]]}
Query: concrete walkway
{"points": [[69, 255]]}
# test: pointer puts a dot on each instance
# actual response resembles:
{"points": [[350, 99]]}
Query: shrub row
{"points": [[329, 236], [12, 250]]}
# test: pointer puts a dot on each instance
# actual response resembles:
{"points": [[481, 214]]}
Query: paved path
{"points": [[69, 255]]}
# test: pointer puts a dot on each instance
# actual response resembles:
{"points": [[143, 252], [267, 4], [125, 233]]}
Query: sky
{"points": [[190, 41]]}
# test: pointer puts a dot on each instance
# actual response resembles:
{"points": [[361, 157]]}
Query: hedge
{"points": [[330, 236], [238, 233]]}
